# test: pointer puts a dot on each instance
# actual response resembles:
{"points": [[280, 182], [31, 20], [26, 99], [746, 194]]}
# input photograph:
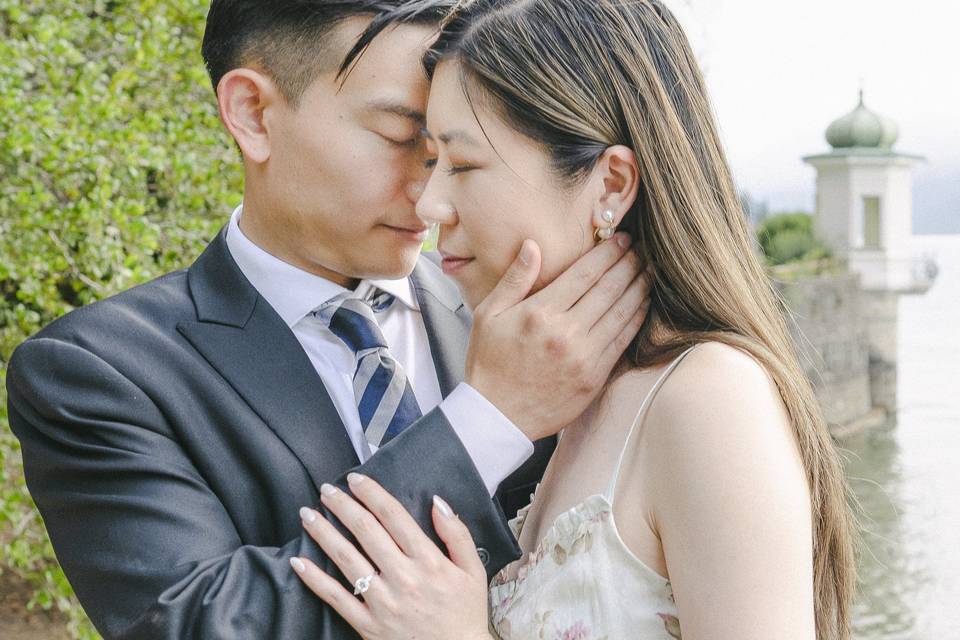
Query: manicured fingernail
{"points": [[328, 489], [308, 515], [355, 478], [443, 507], [298, 565], [624, 240]]}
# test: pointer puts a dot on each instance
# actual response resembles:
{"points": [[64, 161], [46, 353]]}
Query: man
{"points": [[171, 433]]}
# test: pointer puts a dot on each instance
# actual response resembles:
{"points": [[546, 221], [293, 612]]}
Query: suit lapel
{"points": [[245, 340], [447, 321]]}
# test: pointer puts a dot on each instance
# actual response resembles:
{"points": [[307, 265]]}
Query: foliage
{"points": [[788, 237], [113, 170]]}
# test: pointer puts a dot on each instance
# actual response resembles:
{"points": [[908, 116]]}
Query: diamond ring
{"points": [[362, 585]]}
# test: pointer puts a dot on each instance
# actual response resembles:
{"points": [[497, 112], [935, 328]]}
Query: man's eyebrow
{"points": [[398, 109]]}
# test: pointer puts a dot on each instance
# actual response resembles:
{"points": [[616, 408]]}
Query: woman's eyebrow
{"points": [[451, 136]]}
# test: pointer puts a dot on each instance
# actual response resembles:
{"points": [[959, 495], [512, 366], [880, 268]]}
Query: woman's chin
{"points": [[473, 298], [473, 294]]}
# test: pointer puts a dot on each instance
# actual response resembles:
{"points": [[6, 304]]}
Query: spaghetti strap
{"points": [[643, 409]]}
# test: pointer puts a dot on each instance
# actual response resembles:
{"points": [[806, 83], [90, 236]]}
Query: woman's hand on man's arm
{"points": [[416, 591]]}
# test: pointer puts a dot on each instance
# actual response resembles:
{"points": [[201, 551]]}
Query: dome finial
{"points": [[862, 128]]}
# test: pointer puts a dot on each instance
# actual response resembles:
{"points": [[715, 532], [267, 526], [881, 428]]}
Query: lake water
{"points": [[907, 474]]}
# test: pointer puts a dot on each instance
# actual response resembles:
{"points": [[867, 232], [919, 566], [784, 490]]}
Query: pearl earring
{"points": [[605, 232]]}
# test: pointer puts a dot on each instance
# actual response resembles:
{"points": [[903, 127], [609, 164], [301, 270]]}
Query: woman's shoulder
{"points": [[709, 373], [719, 423], [715, 378], [719, 404]]}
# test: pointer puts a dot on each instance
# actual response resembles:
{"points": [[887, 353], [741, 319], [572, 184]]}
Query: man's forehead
{"points": [[395, 56]]}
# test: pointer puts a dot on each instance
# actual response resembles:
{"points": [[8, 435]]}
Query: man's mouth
{"points": [[414, 234]]}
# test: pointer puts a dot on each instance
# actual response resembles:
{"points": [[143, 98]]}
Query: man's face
{"points": [[337, 195]]}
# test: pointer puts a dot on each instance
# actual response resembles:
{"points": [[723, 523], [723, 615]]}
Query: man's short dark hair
{"points": [[291, 40]]}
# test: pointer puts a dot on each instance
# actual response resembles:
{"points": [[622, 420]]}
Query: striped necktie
{"points": [[385, 399]]}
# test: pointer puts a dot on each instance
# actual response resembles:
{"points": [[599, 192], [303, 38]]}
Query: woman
{"points": [[702, 491]]}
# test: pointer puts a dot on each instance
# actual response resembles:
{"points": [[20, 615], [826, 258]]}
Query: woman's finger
{"points": [[460, 544], [332, 592], [392, 515], [371, 535], [352, 564]]}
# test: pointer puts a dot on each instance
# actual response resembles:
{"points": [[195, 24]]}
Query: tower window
{"points": [[871, 223]]}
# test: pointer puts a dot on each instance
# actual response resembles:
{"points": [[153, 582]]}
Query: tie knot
{"points": [[354, 321]]}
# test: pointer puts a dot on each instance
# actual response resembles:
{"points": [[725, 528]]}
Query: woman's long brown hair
{"points": [[579, 76]]}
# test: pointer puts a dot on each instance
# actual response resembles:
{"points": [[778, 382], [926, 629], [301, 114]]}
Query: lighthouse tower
{"points": [[865, 214], [865, 202]]}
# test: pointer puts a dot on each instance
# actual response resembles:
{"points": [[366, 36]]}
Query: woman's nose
{"points": [[433, 208]]}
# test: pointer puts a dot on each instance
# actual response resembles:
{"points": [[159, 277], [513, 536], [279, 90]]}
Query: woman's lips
{"points": [[452, 264]]}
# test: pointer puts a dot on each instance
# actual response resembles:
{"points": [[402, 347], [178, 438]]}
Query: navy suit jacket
{"points": [[171, 433]]}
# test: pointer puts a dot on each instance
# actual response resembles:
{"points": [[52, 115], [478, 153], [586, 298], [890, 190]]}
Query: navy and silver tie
{"points": [[385, 399]]}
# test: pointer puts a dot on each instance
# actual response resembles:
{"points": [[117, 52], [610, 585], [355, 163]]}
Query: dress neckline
{"points": [[594, 508], [597, 505]]}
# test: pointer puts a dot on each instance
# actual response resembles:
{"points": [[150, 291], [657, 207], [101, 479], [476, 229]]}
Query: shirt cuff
{"points": [[495, 445]]}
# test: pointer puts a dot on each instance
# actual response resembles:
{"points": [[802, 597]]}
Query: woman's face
{"points": [[491, 189]]}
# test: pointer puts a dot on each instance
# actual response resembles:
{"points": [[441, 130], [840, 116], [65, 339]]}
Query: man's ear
{"points": [[243, 95], [617, 179]]}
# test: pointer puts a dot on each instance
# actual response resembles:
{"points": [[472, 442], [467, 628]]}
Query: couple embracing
{"points": [[584, 419]]}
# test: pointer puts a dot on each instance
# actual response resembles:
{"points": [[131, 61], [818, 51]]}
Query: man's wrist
{"points": [[495, 445]]}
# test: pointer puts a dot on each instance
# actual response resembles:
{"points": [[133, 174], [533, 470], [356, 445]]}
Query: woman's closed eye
{"points": [[453, 170]]}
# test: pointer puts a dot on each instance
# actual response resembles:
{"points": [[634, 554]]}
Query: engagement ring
{"points": [[362, 585]]}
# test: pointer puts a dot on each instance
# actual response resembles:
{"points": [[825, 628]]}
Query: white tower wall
{"points": [[848, 187]]}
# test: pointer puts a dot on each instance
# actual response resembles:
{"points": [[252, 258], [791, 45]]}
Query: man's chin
{"points": [[397, 269]]}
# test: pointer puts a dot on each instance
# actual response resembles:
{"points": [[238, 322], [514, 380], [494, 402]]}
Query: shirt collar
{"points": [[293, 292]]}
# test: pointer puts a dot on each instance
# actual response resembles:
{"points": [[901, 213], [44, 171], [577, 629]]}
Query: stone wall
{"points": [[828, 324], [881, 312]]}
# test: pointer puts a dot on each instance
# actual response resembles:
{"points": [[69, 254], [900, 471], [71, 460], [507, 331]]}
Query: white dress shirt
{"points": [[495, 445]]}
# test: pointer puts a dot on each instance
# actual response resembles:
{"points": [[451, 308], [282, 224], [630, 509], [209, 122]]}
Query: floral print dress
{"points": [[582, 582]]}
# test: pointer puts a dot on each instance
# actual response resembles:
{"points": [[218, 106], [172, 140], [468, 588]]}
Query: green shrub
{"points": [[114, 169], [789, 237]]}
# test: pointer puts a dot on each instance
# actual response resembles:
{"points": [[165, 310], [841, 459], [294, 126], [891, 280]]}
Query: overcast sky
{"points": [[780, 71]]}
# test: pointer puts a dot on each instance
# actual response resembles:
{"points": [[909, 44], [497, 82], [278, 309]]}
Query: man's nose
{"points": [[415, 190]]}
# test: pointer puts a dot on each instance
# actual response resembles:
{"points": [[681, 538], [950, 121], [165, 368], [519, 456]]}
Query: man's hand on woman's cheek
{"points": [[543, 359]]}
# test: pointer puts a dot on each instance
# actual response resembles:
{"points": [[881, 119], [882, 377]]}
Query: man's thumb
{"points": [[516, 283]]}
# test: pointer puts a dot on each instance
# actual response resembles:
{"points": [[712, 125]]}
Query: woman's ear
{"points": [[243, 95], [617, 177]]}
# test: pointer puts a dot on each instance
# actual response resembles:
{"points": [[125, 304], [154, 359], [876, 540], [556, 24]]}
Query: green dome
{"points": [[862, 128]]}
